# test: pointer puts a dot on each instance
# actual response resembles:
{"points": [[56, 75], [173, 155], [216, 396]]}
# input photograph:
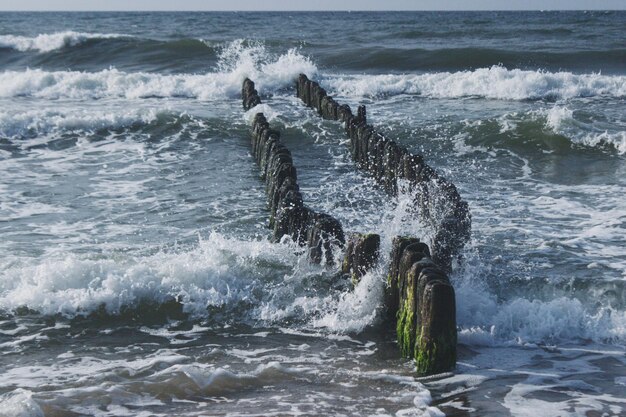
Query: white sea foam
{"points": [[236, 276], [19, 124], [202, 277], [268, 111], [86, 384], [356, 309], [580, 397], [484, 321], [557, 116], [47, 42], [19, 403], [560, 119], [237, 61], [214, 381], [577, 374], [615, 139], [495, 83]]}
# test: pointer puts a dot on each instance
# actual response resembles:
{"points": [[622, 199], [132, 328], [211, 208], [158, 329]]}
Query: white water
{"points": [[237, 62], [271, 73], [562, 120], [47, 42], [254, 281], [494, 83], [16, 123]]}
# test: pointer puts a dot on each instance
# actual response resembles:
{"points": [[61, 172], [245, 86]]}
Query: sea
{"points": [[137, 272]]}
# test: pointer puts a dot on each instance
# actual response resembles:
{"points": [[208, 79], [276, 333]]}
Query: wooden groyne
{"points": [[288, 214], [419, 294], [437, 200]]}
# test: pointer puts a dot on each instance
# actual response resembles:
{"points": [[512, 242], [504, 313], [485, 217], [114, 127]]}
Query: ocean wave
{"points": [[238, 60], [47, 42], [19, 403], [555, 128], [615, 139], [246, 281], [496, 82], [523, 321], [34, 123], [561, 120], [208, 380], [438, 58]]}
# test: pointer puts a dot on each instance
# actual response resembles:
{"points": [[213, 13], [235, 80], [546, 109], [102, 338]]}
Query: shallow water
{"points": [[137, 276]]}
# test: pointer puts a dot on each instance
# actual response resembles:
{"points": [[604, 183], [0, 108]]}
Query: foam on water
{"points": [[19, 403], [237, 61], [485, 322], [200, 278], [110, 385], [47, 42], [237, 277], [562, 120], [356, 309], [16, 124], [559, 381], [495, 82], [557, 311]]}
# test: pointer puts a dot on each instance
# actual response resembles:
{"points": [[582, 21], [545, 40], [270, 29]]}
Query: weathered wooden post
{"points": [[288, 214], [423, 300], [362, 251]]}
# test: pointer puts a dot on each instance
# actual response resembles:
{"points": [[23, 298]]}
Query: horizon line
{"points": [[313, 11]]}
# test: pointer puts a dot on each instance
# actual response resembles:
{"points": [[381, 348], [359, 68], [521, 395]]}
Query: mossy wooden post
{"points": [[420, 295], [392, 293], [435, 349], [361, 255], [408, 306]]}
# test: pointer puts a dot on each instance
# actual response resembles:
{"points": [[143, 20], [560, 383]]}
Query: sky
{"points": [[222, 5]]}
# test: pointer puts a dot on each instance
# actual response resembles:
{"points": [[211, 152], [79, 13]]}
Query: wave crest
{"points": [[33, 123], [238, 60], [47, 42], [562, 120], [495, 82]]}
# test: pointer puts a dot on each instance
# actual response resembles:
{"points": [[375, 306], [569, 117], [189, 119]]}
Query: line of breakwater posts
{"points": [[418, 293], [436, 199], [288, 214]]}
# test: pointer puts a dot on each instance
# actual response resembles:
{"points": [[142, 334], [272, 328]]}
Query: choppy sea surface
{"points": [[136, 272]]}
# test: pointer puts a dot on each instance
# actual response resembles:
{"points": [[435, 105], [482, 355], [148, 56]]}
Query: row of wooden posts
{"points": [[419, 295]]}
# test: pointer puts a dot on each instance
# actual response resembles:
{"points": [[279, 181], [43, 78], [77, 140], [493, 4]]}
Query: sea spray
{"points": [[237, 61]]}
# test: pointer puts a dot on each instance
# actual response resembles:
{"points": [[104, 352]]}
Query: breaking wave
{"points": [[47, 42], [561, 120], [496, 82], [484, 321], [33, 123], [238, 60]]}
